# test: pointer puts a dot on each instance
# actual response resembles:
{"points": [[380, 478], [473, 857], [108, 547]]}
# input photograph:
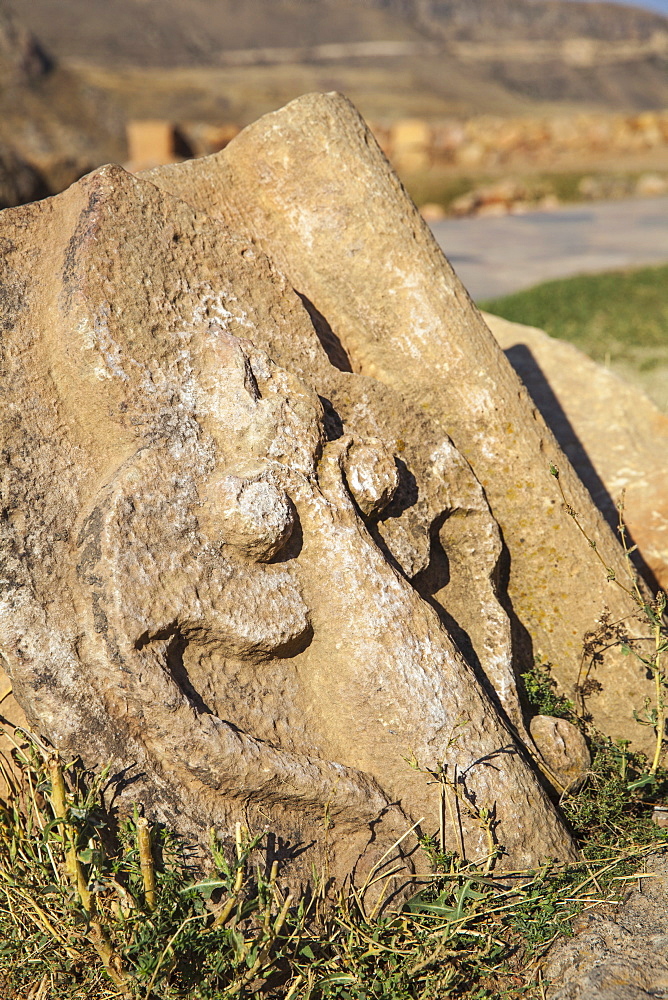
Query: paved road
{"points": [[498, 256]]}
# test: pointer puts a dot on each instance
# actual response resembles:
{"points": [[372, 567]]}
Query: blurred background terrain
{"points": [[435, 57], [563, 97]]}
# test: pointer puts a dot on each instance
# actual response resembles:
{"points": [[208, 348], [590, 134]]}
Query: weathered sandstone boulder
{"points": [[614, 436], [310, 187], [232, 567]]}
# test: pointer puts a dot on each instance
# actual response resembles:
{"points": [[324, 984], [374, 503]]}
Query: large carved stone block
{"points": [[310, 186], [231, 567]]}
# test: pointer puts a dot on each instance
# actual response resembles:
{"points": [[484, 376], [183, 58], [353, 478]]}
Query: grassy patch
{"points": [[84, 913], [619, 318], [607, 315], [612, 808]]}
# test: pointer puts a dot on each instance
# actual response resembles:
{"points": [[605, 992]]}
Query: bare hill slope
{"points": [[449, 56], [184, 32], [501, 20]]}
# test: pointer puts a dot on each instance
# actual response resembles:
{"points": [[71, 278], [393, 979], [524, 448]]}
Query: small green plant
{"points": [[454, 799], [94, 907], [541, 691], [610, 809], [649, 649]]}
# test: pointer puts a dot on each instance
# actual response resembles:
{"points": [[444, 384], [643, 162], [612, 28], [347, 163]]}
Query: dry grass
{"points": [[89, 910]]}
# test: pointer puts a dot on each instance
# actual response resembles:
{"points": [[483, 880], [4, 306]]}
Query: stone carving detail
{"points": [[371, 474], [209, 536], [257, 517], [380, 289], [242, 555]]}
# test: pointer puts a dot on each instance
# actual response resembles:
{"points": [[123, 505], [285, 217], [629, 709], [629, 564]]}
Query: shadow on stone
{"points": [[523, 361]]}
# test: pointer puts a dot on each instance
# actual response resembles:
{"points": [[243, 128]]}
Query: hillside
{"points": [[209, 59], [493, 21], [189, 32], [195, 32]]}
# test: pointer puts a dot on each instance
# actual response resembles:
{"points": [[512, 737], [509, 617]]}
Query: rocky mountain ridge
{"points": [[500, 20], [185, 32]]}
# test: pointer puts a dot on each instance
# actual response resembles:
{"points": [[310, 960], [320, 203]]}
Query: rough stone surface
{"points": [[613, 434], [563, 749], [309, 185], [620, 955], [206, 548]]}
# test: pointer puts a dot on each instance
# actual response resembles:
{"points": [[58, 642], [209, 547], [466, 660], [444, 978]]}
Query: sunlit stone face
{"points": [[201, 590]]}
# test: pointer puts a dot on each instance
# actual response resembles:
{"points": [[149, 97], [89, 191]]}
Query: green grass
{"points": [[619, 318], [233, 932], [608, 315]]}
